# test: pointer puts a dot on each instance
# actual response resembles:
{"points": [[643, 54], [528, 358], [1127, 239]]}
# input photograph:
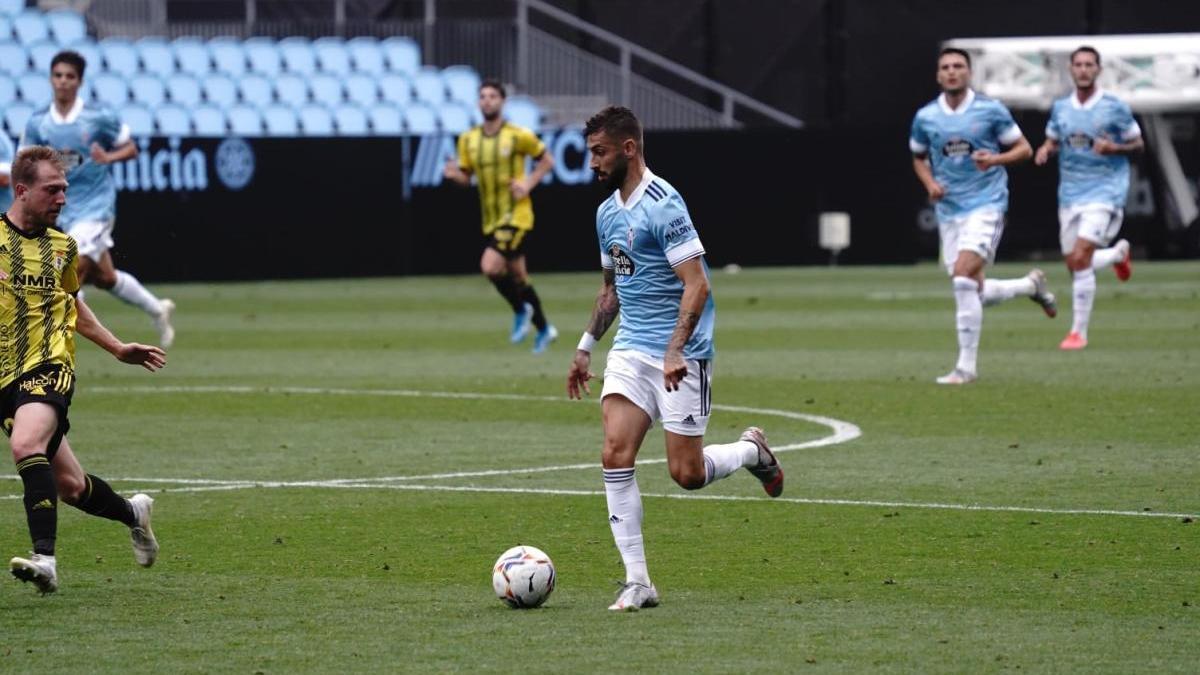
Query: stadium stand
{"points": [[260, 85]]}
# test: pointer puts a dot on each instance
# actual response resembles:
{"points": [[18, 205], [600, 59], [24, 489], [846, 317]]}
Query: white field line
{"points": [[842, 432]]}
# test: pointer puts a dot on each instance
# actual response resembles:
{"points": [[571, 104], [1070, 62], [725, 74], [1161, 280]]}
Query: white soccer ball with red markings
{"points": [[523, 577]]}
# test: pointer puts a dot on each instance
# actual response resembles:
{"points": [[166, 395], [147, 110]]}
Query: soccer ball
{"points": [[523, 577]]}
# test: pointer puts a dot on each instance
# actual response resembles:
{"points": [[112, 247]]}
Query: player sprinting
{"points": [[6, 158], [1093, 133], [39, 317], [660, 365], [957, 142], [494, 152], [89, 138]]}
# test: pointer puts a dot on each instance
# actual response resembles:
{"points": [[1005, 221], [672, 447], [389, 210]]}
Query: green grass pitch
{"points": [[304, 463]]}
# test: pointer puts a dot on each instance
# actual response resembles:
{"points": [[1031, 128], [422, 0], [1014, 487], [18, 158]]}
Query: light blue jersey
{"points": [[642, 241], [6, 159], [949, 136], [1086, 177], [91, 194]]}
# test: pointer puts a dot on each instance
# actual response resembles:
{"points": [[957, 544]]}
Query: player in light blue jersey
{"points": [[6, 160], [1093, 133], [660, 366], [89, 138], [961, 143]]}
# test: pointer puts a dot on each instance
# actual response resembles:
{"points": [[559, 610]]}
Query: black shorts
{"points": [[51, 383], [507, 240]]}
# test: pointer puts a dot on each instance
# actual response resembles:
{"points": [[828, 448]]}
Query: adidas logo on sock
{"points": [[689, 420], [614, 519]]}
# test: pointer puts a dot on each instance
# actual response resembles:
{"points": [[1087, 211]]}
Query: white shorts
{"points": [[639, 378], [94, 237], [1097, 223], [978, 232]]}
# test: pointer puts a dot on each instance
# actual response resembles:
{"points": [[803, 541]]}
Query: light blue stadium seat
{"points": [[15, 117], [402, 55], [219, 90], [291, 89], [11, 7], [256, 90], [228, 57], [90, 51], [5, 27], [8, 90], [148, 90], [280, 120], [138, 117], [41, 54], [361, 89], [365, 55], [298, 55], [419, 118], [463, 84], [66, 26], [13, 59], [264, 57], [173, 120], [35, 90], [396, 88], [325, 89], [385, 119], [315, 120], [244, 120], [351, 120], [332, 56], [208, 120], [109, 89], [184, 90], [455, 118], [120, 56], [192, 55], [428, 86], [523, 112], [30, 26], [156, 56]]}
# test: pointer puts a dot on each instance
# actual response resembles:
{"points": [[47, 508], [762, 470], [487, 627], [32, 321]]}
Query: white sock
{"points": [[1084, 294], [996, 291], [1106, 256], [625, 519], [969, 320], [722, 460], [130, 290]]}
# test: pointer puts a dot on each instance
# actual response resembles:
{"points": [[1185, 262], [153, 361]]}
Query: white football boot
{"points": [[145, 546], [957, 376], [1041, 293], [166, 332], [40, 569], [767, 471], [634, 596]]}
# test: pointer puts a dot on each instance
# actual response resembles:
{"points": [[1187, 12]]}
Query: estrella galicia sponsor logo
{"points": [[1079, 141], [235, 163], [567, 146], [956, 148], [162, 169], [678, 228], [622, 263]]}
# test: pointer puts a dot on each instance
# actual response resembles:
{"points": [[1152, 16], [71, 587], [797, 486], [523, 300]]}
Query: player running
{"points": [[957, 142], [1093, 133], [90, 138], [660, 365]]}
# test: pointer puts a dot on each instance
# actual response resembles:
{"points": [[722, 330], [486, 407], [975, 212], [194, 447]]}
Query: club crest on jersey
{"points": [[956, 148], [622, 263], [60, 259]]}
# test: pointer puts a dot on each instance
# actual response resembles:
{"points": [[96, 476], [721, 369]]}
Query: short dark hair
{"points": [[616, 121], [1086, 50], [71, 58], [494, 84], [955, 50], [24, 166]]}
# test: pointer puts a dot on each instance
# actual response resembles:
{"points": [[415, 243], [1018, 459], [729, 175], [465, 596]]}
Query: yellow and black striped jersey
{"points": [[37, 302], [496, 160]]}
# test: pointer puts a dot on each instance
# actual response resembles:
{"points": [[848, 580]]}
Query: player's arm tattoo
{"points": [[685, 325], [607, 306]]}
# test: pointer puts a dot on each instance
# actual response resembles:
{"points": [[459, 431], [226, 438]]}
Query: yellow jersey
{"points": [[37, 302], [495, 161]]}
